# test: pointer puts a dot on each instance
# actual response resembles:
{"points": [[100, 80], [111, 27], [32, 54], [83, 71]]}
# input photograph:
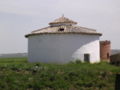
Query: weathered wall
{"points": [[62, 48], [105, 50]]}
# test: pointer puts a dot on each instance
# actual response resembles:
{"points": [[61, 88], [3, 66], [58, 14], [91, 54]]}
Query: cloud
{"points": [[19, 17], [27, 7], [38, 7]]}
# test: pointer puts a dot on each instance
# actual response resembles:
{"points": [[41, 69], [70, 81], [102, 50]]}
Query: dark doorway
{"points": [[108, 56], [87, 57]]}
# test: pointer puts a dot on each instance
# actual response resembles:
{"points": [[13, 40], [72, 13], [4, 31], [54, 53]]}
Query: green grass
{"points": [[18, 74]]}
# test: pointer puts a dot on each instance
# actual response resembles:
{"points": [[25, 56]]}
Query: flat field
{"points": [[18, 74]]}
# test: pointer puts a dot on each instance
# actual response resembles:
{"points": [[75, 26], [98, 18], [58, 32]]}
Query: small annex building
{"points": [[115, 59], [63, 41]]}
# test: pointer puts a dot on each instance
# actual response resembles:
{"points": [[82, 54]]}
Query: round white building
{"points": [[63, 41]]}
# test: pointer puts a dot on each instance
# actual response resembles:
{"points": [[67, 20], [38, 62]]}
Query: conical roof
{"points": [[62, 20], [64, 25]]}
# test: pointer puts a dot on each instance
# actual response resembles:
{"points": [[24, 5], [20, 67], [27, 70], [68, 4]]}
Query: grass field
{"points": [[18, 74]]}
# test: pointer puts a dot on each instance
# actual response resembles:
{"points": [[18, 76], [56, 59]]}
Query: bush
{"points": [[78, 61], [72, 76]]}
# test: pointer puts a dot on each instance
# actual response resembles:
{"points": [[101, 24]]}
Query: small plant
{"points": [[73, 76], [78, 61]]}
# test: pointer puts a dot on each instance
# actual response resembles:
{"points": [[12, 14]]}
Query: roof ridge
{"points": [[87, 28], [40, 29], [62, 19]]}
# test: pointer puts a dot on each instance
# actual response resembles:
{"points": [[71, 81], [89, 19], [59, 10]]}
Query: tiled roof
{"points": [[63, 28], [62, 20]]}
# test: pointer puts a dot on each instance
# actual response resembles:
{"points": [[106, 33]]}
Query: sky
{"points": [[20, 17]]}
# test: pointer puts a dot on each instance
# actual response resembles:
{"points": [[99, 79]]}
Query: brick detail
{"points": [[105, 50]]}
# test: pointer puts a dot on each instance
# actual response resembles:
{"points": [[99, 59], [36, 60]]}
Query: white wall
{"points": [[62, 48]]}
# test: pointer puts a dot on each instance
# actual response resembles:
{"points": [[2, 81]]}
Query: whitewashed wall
{"points": [[62, 48]]}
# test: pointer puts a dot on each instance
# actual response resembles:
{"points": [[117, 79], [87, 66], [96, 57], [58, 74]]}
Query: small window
{"points": [[61, 29]]}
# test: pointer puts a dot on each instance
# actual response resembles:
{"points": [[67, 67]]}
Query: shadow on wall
{"points": [[88, 51], [58, 46]]}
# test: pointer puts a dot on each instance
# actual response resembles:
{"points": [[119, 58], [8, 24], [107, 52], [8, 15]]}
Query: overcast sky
{"points": [[19, 17]]}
